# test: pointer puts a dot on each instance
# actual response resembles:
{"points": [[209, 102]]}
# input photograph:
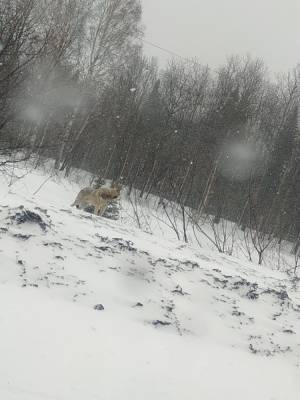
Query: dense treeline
{"points": [[75, 86]]}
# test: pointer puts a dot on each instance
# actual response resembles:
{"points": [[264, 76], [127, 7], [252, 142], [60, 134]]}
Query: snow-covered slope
{"points": [[96, 309]]}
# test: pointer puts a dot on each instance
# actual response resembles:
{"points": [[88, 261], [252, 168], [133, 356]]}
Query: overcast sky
{"points": [[213, 29]]}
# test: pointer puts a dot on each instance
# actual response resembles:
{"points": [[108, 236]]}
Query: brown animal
{"points": [[98, 198]]}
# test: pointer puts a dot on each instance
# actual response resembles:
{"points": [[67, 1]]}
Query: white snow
{"points": [[210, 326]]}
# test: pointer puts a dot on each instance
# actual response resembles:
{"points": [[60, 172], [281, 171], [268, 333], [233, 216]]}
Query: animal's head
{"points": [[109, 194], [115, 193], [117, 187], [76, 204]]}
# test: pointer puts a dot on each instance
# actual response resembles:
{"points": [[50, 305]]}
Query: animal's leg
{"points": [[100, 210], [101, 207]]}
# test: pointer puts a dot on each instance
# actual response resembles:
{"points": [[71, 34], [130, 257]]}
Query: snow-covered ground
{"points": [[97, 309]]}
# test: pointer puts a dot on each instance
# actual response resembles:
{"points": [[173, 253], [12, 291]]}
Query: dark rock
{"points": [[112, 211], [252, 295], [102, 248], [169, 308], [53, 244], [222, 282], [123, 244], [289, 331], [178, 290], [237, 313], [89, 209], [252, 349], [22, 236], [281, 294], [22, 216], [99, 307], [159, 322], [138, 304]]}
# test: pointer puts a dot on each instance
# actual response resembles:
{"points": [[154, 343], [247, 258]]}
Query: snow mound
{"points": [[87, 302]]}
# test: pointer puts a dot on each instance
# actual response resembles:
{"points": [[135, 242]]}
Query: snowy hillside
{"points": [[97, 309]]}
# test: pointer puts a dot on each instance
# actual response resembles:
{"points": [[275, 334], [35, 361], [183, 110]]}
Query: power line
{"points": [[163, 49], [185, 59]]}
